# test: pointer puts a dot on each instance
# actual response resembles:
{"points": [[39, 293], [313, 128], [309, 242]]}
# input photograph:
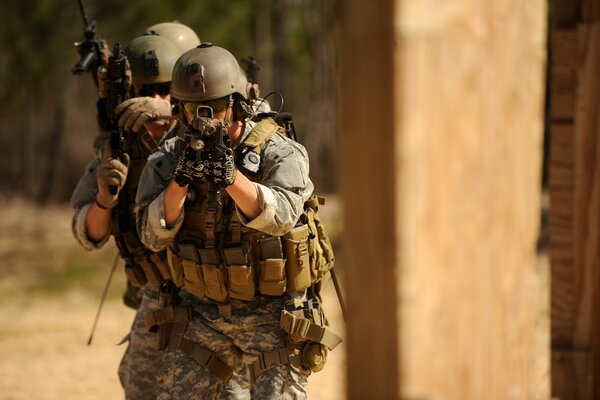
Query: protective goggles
{"points": [[161, 89], [216, 105]]}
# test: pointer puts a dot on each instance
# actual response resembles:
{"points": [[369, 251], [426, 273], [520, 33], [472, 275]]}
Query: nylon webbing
{"points": [[305, 328], [206, 358], [209, 227], [167, 314], [269, 360], [149, 141], [261, 133]]}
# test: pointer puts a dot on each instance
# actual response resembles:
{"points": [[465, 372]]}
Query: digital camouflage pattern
{"points": [[283, 188], [142, 361], [253, 329]]}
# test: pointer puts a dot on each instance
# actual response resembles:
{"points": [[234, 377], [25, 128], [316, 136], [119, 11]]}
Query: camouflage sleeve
{"points": [[284, 188], [82, 198], [150, 212]]}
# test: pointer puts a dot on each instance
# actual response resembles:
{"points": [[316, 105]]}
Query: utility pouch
{"points": [[307, 328], [160, 260], [272, 280], [168, 322], [214, 275], [240, 274], [135, 275], [153, 275], [295, 246], [193, 279], [175, 267]]}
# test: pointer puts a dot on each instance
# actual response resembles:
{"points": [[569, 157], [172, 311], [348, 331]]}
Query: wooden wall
{"points": [[442, 120], [575, 200]]}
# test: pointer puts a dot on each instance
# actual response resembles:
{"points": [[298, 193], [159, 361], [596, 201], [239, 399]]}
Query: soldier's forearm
{"points": [[97, 223], [245, 195], [174, 197]]}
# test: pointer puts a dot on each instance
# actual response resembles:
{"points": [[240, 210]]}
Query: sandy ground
{"points": [[45, 356], [43, 351]]}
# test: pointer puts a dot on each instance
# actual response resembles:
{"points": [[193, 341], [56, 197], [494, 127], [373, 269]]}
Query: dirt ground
{"points": [[49, 293]]}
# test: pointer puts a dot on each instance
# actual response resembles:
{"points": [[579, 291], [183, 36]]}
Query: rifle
{"points": [[110, 74], [117, 88], [93, 50]]}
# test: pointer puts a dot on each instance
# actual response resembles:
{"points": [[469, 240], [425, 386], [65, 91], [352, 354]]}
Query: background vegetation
{"points": [[47, 118]]}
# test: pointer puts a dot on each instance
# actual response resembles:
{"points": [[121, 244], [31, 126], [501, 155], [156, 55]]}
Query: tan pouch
{"points": [[162, 265], [272, 276], [214, 282], [241, 282], [193, 280], [153, 275], [135, 275], [175, 267], [295, 247]]}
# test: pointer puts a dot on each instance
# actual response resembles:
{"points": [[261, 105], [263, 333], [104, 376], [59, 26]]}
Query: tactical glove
{"points": [[133, 113], [111, 172], [215, 167], [219, 167]]}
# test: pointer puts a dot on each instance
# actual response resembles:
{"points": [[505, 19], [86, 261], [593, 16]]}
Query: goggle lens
{"points": [[216, 105]]}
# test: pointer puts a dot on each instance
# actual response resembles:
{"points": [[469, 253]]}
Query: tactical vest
{"points": [[215, 256], [142, 266]]}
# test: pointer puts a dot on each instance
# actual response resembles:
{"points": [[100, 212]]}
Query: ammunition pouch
{"points": [[141, 265], [309, 332], [132, 296], [236, 272], [295, 246]]}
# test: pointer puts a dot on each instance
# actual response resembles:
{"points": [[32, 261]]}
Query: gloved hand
{"points": [[133, 113], [219, 167], [213, 166], [111, 172]]}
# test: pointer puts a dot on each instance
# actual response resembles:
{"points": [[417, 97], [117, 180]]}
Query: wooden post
{"points": [[442, 119], [575, 203]]}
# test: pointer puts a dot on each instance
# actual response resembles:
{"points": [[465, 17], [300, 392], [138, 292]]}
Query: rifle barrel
{"points": [[86, 22]]}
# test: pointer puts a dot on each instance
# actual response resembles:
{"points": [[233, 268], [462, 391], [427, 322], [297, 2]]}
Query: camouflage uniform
{"points": [[142, 360], [254, 325]]}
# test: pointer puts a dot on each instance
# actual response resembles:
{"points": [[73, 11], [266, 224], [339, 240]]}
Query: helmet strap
{"points": [[229, 112]]}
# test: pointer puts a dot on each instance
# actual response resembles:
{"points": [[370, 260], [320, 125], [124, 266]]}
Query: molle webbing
{"points": [[265, 361], [298, 325], [250, 150], [170, 323], [262, 132]]}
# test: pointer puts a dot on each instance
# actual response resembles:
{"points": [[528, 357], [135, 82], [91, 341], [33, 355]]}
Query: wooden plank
{"points": [[567, 12], [564, 73], [563, 300], [590, 10], [564, 49], [572, 375], [576, 282], [464, 160], [371, 294]]}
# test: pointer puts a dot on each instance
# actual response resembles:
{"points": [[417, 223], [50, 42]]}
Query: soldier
{"points": [[228, 210], [101, 211], [182, 35]]}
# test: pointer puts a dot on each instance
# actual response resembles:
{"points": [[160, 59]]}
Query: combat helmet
{"points": [[206, 73], [180, 34], [151, 58]]}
